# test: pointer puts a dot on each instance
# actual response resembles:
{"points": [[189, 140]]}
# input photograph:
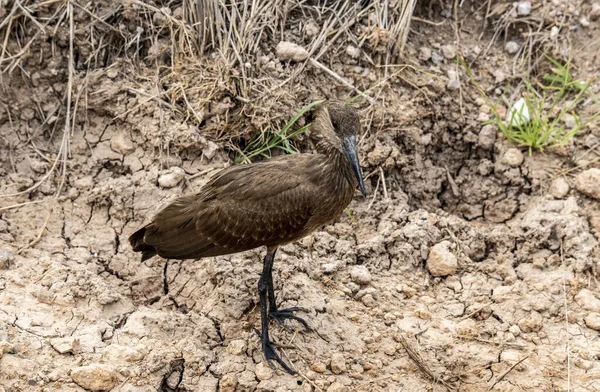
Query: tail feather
{"points": [[137, 243]]}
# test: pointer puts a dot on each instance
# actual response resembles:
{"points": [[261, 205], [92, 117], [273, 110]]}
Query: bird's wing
{"points": [[242, 208]]}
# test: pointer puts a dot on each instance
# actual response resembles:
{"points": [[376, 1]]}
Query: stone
{"points": [[441, 261], [210, 150], [171, 177], [533, 322], [360, 275], [515, 330], [237, 347], [263, 372], [595, 11], [338, 363], [592, 321], [119, 353], [559, 188], [524, 8], [290, 51], [424, 53], [353, 51], [318, 367], [487, 137], [337, 387], [588, 183], [499, 76], [448, 51], [512, 47], [121, 144], [228, 383], [513, 157], [95, 377], [66, 345], [453, 82]]}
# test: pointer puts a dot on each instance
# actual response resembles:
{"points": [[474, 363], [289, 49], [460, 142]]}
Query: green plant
{"points": [[262, 143], [539, 122]]}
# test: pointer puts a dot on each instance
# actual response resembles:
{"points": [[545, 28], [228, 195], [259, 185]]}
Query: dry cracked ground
{"points": [[471, 265]]}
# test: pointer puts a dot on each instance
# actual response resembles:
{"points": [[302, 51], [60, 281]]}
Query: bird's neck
{"points": [[339, 164]]}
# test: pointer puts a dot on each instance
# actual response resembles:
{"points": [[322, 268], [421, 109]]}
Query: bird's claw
{"points": [[281, 314], [271, 355]]}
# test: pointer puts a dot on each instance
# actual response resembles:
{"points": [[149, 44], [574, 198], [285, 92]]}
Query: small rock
{"points": [[441, 261], [559, 188], [533, 322], [237, 347], [318, 367], [360, 275], [583, 363], [592, 321], [436, 58], [95, 377], [228, 383], [6, 258], [510, 356], [263, 372], [487, 137], [119, 353], [584, 21], [66, 345], [338, 363], [588, 183], [448, 51], [368, 300], [595, 12], [171, 178], [311, 28], [515, 330], [453, 82], [513, 157], [353, 51], [524, 8], [290, 51], [499, 76], [424, 53], [569, 120], [512, 47], [210, 150], [337, 387]]}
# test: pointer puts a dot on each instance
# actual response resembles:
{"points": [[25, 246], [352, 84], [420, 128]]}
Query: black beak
{"points": [[349, 148]]}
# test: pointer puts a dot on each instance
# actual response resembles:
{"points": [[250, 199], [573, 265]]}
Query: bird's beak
{"points": [[349, 148]]}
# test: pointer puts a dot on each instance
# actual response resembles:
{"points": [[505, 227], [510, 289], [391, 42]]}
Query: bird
{"points": [[264, 204]]}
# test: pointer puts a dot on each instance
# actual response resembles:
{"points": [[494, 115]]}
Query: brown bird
{"points": [[269, 203]]}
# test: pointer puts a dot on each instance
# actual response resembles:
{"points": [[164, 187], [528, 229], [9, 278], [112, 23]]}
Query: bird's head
{"points": [[336, 126]]}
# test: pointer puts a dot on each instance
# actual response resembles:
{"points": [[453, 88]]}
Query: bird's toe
{"points": [[281, 315]]}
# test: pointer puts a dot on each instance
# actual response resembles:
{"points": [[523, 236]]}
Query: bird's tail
{"points": [[137, 243]]}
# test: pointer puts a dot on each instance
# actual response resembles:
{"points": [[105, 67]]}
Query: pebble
{"points": [[559, 188], [290, 51], [121, 144], [510, 356], [424, 53], [338, 363], [237, 347], [453, 82], [499, 76], [263, 372], [210, 150], [311, 28], [595, 12], [360, 275], [515, 330], [337, 387], [588, 183], [533, 322], [436, 58], [592, 321], [448, 51], [583, 363], [318, 367], [512, 47], [441, 261], [228, 383], [487, 137], [513, 157], [171, 178], [66, 345], [119, 353], [524, 8], [353, 51], [569, 121], [95, 377]]}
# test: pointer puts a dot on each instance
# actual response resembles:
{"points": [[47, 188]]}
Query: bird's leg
{"points": [[263, 289], [279, 315]]}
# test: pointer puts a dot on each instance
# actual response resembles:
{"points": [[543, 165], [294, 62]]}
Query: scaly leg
{"points": [[277, 314], [263, 290]]}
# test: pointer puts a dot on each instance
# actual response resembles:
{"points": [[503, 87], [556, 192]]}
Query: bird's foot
{"points": [[271, 355], [280, 315]]}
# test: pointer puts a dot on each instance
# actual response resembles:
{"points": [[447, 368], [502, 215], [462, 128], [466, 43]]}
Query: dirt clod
{"points": [[290, 51], [95, 377], [441, 261], [588, 183], [338, 363]]}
